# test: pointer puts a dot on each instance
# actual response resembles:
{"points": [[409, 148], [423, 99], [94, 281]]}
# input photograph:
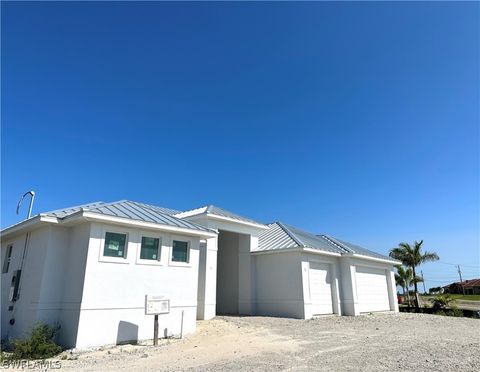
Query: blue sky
{"points": [[356, 120]]}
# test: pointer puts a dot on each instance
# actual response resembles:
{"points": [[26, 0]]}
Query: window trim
{"points": [[161, 247], [112, 259], [189, 254], [7, 259]]}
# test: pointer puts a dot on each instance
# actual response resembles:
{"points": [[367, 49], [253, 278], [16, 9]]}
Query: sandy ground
{"points": [[380, 342]]}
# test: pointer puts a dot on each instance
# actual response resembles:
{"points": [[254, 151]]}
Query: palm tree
{"points": [[412, 257], [403, 278]]}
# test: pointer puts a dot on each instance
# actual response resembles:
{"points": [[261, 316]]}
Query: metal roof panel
{"points": [[132, 210]]}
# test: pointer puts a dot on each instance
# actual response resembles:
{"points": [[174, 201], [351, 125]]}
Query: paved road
{"points": [[468, 305]]}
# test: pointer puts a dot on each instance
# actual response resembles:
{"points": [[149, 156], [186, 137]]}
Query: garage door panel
{"points": [[320, 288], [372, 289]]}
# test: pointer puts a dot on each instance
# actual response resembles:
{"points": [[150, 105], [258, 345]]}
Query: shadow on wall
{"points": [[127, 333]]}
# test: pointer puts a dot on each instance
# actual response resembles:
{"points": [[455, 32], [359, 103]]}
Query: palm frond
{"points": [[397, 253], [429, 257], [417, 279]]}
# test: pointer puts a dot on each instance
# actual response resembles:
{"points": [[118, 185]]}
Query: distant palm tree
{"points": [[412, 257], [404, 278]]}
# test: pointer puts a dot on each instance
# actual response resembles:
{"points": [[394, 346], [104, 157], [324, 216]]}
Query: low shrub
{"points": [[441, 301], [39, 345], [455, 312], [450, 312]]}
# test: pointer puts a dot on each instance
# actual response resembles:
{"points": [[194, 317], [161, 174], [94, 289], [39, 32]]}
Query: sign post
{"points": [[155, 305], [155, 330]]}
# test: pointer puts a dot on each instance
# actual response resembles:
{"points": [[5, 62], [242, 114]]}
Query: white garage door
{"points": [[320, 288], [372, 289]]}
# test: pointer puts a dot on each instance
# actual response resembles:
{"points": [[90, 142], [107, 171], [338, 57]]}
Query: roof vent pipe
{"points": [[32, 194]]}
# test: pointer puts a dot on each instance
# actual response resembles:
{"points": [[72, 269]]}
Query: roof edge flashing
{"points": [[370, 258]]}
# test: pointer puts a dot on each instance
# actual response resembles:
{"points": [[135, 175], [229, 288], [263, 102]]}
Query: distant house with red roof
{"points": [[471, 286]]}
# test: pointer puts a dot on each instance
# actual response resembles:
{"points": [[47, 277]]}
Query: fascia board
{"points": [[375, 259], [27, 225], [148, 225], [297, 249]]}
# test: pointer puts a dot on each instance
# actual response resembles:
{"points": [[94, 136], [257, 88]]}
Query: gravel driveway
{"points": [[380, 342]]}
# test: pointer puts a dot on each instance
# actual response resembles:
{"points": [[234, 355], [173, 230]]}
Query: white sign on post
{"points": [[156, 304]]}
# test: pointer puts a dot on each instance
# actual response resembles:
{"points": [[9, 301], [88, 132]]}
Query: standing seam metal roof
{"points": [[61, 213], [282, 236], [278, 236], [134, 211], [217, 211], [353, 248]]}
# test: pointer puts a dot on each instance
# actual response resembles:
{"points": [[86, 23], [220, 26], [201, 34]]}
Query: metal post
{"points": [[32, 197], [181, 326], [423, 281], [32, 193], [155, 330], [461, 281]]}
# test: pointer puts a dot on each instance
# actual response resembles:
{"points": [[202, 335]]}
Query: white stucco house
{"points": [[88, 269]]}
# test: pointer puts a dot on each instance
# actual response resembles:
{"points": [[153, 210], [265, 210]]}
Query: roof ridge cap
{"points": [[155, 207], [208, 208], [296, 239], [337, 243]]}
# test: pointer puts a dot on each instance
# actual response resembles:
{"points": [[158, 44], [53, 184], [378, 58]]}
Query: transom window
{"points": [[150, 249], [180, 251], [8, 256], [115, 245]]}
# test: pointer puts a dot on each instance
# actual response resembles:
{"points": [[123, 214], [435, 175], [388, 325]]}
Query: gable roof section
{"points": [[212, 210], [281, 236], [133, 211], [275, 238]]}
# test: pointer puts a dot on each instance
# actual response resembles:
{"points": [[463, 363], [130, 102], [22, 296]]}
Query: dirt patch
{"points": [[381, 342], [215, 341]]}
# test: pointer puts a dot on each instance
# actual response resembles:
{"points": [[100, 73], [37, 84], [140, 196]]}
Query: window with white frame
{"points": [[8, 257], [180, 251], [115, 245], [150, 249]]}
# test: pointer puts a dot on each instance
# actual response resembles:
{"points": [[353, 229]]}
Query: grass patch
{"points": [[459, 297], [466, 297]]}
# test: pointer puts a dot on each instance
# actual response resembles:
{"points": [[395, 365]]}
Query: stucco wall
{"points": [[73, 278], [25, 308], [247, 242], [114, 292], [227, 273], [279, 284], [51, 282]]}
